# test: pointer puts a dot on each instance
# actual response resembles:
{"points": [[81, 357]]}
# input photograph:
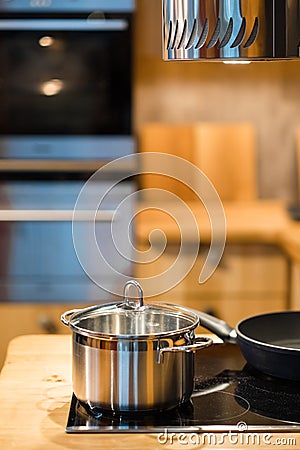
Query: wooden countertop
{"points": [[35, 391], [261, 221], [290, 240]]}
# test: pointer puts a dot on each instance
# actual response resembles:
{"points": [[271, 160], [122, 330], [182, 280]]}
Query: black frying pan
{"points": [[269, 342]]}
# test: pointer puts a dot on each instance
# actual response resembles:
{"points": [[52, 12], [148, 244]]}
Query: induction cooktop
{"points": [[229, 395]]}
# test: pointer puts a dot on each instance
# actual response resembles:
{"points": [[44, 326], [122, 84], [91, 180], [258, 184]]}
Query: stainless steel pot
{"points": [[131, 356]]}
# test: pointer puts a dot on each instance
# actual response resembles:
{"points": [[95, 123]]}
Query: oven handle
{"points": [[64, 24], [58, 215]]}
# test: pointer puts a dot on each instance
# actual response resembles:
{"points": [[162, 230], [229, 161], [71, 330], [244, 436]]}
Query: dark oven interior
{"points": [[65, 80]]}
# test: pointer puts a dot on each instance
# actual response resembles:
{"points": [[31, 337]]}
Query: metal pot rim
{"points": [[69, 317]]}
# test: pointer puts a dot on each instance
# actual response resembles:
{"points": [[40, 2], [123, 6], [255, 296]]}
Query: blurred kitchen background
{"points": [[77, 91]]}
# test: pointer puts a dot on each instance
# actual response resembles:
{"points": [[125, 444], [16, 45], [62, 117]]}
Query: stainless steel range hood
{"points": [[231, 30]]}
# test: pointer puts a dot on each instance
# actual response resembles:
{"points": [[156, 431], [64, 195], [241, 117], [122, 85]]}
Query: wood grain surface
{"points": [[35, 392]]}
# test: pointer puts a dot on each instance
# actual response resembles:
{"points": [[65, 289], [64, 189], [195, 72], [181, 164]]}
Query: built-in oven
{"points": [[39, 259], [66, 79], [65, 111]]}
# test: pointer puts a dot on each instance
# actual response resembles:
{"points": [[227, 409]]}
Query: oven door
{"points": [[65, 87], [38, 260]]}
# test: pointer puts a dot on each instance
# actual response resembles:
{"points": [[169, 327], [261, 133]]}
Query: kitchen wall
{"points": [[266, 94]]}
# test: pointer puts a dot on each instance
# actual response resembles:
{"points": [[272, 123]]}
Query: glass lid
{"points": [[131, 318]]}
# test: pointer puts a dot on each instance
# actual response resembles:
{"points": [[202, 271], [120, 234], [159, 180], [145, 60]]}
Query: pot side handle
{"points": [[65, 315], [199, 344]]}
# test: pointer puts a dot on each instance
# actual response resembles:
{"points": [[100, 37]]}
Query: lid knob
{"points": [[135, 302]]}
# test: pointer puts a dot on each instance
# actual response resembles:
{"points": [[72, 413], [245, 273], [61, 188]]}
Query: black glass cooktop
{"points": [[229, 395]]}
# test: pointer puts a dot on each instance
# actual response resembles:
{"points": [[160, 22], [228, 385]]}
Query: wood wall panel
{"points": [[225, 153]]}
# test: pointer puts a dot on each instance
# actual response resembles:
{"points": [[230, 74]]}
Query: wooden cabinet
{"points": [[18, 319], [251, 279]]}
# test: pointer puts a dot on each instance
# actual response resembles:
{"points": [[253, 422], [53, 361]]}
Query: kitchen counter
{"points": [[261, 221], [35, 392], [264, 221], [289, 239]]}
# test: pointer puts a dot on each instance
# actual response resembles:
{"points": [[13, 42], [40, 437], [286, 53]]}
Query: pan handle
{"points": [[218, 327]]}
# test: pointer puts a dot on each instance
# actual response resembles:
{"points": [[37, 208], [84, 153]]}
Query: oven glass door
{"points": [[38, 259], [64, 77]]}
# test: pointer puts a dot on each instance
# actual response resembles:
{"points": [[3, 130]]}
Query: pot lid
{"points": [[132, 319]]}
